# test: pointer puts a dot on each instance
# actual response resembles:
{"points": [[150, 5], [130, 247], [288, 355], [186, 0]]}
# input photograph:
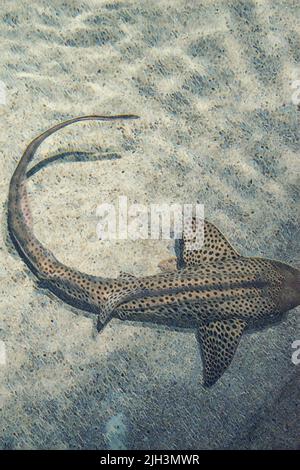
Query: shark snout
{"points": [[290, 294]]}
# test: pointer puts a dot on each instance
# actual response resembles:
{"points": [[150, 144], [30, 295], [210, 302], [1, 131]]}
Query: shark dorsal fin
{"points": [[127, 276], [218, 342], [213, 247]]}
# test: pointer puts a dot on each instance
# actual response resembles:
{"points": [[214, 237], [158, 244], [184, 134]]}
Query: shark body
{"points": [[214, 290]]}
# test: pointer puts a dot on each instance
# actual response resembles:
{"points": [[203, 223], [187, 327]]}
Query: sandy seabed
{"points": [[214, 85]]}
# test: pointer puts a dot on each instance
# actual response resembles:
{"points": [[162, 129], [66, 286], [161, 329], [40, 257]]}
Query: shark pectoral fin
{"points": [[202, 242], [218, 342]]}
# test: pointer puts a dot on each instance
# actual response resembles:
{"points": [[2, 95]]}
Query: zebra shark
{"points": [[213, 290]]}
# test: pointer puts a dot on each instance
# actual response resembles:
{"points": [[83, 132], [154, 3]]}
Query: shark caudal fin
{"points": [[218, 342]]}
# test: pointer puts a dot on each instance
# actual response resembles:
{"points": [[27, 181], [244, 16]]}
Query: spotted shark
{"points": [[213, 290]]}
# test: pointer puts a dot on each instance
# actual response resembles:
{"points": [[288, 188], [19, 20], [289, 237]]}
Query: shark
{"points": [[211, 289]]}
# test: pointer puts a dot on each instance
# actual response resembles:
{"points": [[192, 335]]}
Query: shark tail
{"points": [[41, 260]]}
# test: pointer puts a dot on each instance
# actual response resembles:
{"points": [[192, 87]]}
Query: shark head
{"points": [[290, 292]]}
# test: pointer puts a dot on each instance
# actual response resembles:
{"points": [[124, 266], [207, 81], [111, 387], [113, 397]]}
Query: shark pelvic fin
{"points": [[118, 295], [168, 265], [202, 242], [218, 343]]}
